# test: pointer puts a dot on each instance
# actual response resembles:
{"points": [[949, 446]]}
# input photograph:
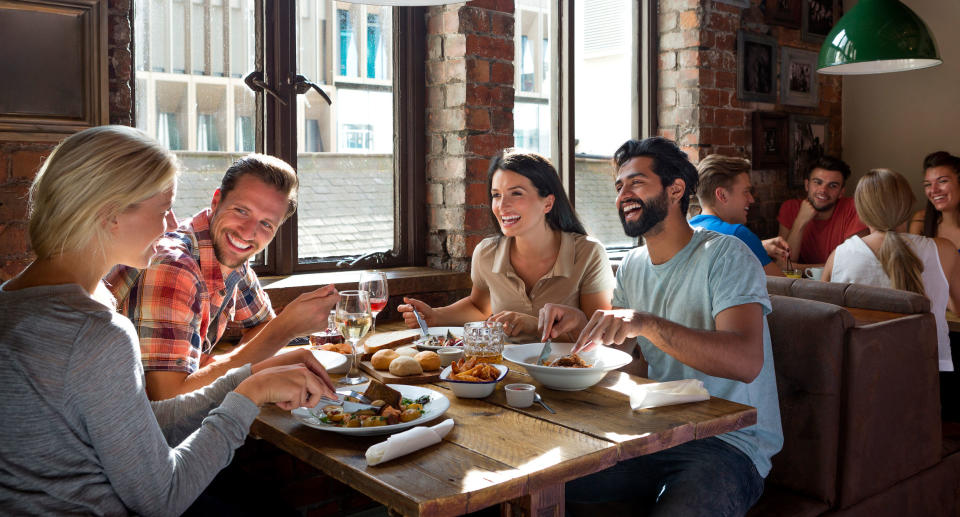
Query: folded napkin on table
{"points": [[667, 393], [408, 441]]}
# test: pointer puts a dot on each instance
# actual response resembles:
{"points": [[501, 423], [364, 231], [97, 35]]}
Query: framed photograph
{"points": [[771, 149], [798, 77], [783, 12], [756, 67], [808, 142], [817, 18]]}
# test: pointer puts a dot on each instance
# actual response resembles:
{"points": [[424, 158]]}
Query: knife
{"points": [[348, 406], [423, 324], [545, 353]]}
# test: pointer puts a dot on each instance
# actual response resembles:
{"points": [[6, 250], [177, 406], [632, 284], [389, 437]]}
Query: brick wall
{"points": [[698, 92], [469, 118]]}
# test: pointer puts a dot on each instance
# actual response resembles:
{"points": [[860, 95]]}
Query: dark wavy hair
{"points": [[669, 162], [545, 179], [931, 216], [269, 169], [830, 163]]}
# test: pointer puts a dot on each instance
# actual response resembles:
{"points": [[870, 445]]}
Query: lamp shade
{"points": [[878, 36]]}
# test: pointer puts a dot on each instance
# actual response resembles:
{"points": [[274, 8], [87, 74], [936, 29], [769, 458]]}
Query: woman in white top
{"points": [[890, 257]]}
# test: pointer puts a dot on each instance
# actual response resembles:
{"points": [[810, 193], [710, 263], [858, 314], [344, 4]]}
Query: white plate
{"points": [[437, 406], [566, 379], [439, 331], [332, 361]]}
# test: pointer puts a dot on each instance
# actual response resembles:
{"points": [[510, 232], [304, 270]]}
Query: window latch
{"points": [[254, 81], [302, 85]]}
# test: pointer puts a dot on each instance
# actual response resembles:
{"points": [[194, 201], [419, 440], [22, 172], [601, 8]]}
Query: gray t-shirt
{"points": [[711, 273], [78, 434]]}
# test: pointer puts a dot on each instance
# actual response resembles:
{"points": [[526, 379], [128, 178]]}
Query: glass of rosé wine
{"points": [[375, 283]]}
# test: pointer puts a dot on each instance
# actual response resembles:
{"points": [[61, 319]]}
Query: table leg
{"points": [[546, 502]]}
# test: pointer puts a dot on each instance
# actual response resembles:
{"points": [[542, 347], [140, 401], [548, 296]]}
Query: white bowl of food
{"points": [[600, 361], [474, 389]]}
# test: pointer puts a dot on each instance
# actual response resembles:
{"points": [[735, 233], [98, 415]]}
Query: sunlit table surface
{"points": [[497, 454]]}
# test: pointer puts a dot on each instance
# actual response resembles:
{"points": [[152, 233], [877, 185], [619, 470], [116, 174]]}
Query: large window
{"points": [[356, 206], [599, 78]]}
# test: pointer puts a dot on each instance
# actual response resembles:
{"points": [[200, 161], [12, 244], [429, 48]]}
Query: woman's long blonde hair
{"points": [[90, 177], [885, 201]]}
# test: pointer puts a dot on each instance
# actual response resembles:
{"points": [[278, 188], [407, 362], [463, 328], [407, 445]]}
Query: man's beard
{"points": [[824, 209], [652, 212]]}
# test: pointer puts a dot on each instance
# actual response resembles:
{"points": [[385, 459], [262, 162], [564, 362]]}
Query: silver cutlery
{"points": [[545, 352], [538, 400]]}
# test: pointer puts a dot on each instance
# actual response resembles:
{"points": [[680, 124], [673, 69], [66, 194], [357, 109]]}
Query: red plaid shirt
{"points": [[175, 304]]}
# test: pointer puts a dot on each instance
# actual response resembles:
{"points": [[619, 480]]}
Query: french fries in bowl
{"points": [[471, 379]]}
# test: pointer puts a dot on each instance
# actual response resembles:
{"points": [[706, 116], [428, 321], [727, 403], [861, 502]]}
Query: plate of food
{"points": [[439, 337], [564, 371], [427, 403]]}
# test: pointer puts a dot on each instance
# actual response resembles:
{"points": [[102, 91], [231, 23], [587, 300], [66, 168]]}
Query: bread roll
{"points": [[408, 351], [428, 360], [382, 359], [403, 366]]}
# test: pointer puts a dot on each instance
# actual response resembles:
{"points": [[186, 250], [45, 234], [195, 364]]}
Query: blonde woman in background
{"points": [[79, 435], [889, 257]]}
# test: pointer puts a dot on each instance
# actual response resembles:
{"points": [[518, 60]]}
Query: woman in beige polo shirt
{"points": [[541, 255]]}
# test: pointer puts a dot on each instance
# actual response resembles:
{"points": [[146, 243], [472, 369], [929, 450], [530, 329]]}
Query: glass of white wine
{"points": [[354, 320]]}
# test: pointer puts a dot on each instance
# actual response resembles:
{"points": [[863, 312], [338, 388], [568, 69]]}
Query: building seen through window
{"points": [[191, 59]]}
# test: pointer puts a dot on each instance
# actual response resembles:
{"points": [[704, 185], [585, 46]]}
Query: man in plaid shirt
{"points": [[200, 280]]}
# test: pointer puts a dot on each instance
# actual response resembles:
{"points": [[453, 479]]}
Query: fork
{"points": [[545, 351]]}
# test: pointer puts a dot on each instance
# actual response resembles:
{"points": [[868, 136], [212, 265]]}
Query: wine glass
{"points": [[375, 283], [353, 320]]}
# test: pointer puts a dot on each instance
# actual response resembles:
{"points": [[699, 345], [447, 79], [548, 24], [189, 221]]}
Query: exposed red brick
{"points": [[722, 22], [488, 145], [725, 41], [472, 241], [501, 73], [486, 46], [478, 70], [13, 203], [477, 169], [503, 121], [709, 97], [27, 163], [740, 136], [477, 193], [477, 219], [731, 118], [478, 119], [727, 8], [501, 24], [726, 79], [13, 239], [479, 95], [474, 19], [12, 267]]}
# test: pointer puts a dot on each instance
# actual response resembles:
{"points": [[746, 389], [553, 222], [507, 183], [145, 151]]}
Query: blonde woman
{"points": [[889, 257], [79, 435]]}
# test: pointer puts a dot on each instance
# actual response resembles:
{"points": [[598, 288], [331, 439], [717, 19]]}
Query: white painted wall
{"points": [[894, 120]]}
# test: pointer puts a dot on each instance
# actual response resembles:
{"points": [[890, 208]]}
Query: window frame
{"points": [[279, 138]]}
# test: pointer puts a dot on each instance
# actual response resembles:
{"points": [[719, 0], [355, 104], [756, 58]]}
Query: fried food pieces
{"points": [[471, 370]]}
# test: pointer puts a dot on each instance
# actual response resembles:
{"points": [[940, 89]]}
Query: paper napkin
{"points": [[667, 393], [408, 441]]}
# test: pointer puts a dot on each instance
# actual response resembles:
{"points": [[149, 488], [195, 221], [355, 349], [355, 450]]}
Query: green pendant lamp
{"points": [[875, 37]]}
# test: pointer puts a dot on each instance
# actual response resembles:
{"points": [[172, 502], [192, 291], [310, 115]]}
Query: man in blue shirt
{"points": [[725, 195], [696, 302]]}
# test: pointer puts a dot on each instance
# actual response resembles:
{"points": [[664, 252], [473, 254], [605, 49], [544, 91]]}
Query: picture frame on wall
{"points": [[783, 12], [756, 67], [809, 140], [798, 77], [738, 3], [817, 18], [771, 149]]}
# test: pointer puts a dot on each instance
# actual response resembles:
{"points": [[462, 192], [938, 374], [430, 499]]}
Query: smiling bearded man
{"points": [[200, 280]]}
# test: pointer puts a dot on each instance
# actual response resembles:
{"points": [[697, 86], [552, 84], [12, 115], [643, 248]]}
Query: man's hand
{"points": [[805, 214], [309, 312], [777, 248], [299, 356], [427, 312], [555, 320], [289, 387], [516, 323], [607, 327]]}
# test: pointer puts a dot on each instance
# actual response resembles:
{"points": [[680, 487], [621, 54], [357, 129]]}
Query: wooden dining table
{"points": [[497, 454]]}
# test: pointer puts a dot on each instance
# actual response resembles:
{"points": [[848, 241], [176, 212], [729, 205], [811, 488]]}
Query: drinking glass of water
{"points": [[353, 320]]}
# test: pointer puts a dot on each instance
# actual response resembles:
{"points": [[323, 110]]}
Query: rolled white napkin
{"points": [[666, 393], [408, 441]]}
